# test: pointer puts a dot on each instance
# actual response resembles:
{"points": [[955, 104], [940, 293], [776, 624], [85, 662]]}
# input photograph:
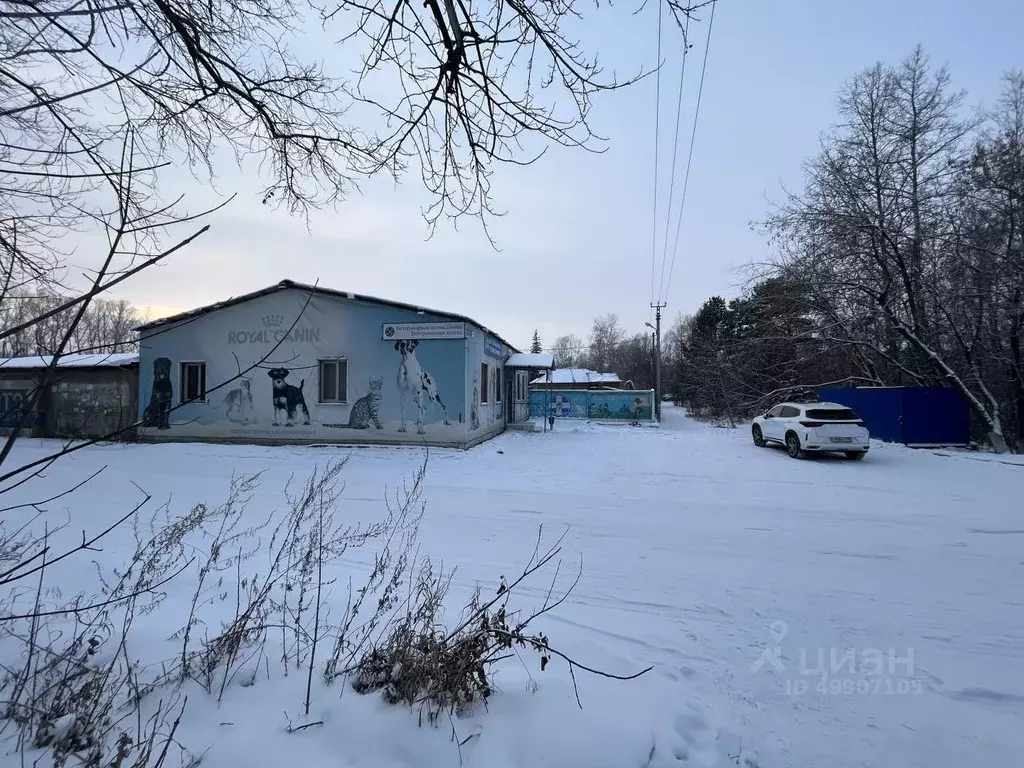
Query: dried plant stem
{"points": [[316, 619]]}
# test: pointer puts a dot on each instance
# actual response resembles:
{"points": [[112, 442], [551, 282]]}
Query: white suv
{"points": [[812, 427]]}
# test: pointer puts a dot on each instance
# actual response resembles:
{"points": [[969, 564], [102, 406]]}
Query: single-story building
{"points": [[300, 363], [577, 378], [88, 396]]}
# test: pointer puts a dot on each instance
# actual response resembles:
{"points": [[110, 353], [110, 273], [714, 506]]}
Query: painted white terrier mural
{"points": [[239, 404], [238, 401], [415, 383]]}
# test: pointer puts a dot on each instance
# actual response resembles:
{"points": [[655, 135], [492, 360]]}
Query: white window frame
{"points": [[485, 383], [182, 378], [338, 380]]}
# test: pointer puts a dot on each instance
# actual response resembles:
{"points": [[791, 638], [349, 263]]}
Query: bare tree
{"points": [[605, 335], [568, 351], [991, 252], [106, 326], [872, 226], [633, 360], [470, 78]]}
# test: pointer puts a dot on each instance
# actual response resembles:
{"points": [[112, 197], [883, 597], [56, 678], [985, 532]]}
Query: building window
{"points": [[334, 381], [520, 385], [193, 382], [485, 382], [497, 387]]}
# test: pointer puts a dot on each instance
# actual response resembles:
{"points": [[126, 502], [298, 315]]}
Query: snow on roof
{"points": [[578, 376], [102, 360], [531, 360]]}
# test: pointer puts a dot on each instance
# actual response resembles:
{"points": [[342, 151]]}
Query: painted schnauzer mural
{"points": [[288, 399]]}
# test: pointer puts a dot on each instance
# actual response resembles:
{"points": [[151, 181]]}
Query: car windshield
{"points": [[832, 414]]}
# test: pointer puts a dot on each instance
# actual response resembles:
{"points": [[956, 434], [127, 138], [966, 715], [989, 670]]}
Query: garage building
{"points": [[84, 396]]}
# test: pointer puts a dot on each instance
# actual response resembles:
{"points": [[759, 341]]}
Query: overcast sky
{"points": [[577, 237]]}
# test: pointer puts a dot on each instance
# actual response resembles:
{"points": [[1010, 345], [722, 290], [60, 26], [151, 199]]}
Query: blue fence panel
{"points": [[909, 415], [881, 408], [600, 405], [935, 416], [560, 403], [621, 406]]}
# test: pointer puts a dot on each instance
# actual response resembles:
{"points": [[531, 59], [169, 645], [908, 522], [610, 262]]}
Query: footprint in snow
{"points": [[687, 740]]}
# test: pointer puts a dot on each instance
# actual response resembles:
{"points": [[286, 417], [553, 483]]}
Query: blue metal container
{"points": [[915, 416]]}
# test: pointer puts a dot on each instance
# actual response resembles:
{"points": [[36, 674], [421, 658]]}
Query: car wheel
{"points": [[758, 437], [793, 446], [856, 455]]}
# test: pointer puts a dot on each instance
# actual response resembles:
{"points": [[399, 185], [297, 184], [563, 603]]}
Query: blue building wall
{"points": [[935, 416], [486, 412], [598, 405], [237, 336], [881, 409], [909, 415]]}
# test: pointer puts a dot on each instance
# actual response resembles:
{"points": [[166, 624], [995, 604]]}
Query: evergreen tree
{"points": [[535, 347]]}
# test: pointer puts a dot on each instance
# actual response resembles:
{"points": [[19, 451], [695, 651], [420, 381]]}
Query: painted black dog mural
{"points": [[288, 399], [158, 412]]}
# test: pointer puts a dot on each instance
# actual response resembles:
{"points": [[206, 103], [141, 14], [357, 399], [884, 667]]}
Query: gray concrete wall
{"points": [[93, 402]]}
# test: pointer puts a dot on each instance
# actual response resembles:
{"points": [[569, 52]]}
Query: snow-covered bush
{"points": [[253, 596], [419, 663]]}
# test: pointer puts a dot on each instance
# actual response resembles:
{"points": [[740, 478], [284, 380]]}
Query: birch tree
{"points": [[873, 223]]}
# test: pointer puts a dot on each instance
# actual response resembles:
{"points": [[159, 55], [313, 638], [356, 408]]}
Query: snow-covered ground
{"points": [[796, 613]]}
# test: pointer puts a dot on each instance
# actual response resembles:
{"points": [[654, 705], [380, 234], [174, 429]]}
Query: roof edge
{"points": [[71, 361], [285, 285]]}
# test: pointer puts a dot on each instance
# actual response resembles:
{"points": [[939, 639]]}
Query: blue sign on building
{"points": [[493, 348]]}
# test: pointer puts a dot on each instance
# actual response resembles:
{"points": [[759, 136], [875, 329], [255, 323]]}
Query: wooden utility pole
{"points": [[657, 358]]}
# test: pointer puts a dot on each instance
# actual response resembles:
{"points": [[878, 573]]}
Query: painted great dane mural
{"points": [[416, 384]]}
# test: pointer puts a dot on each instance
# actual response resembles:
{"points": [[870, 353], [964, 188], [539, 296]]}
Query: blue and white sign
{"points": [[493, 348], [560, 405], [418, 331]]}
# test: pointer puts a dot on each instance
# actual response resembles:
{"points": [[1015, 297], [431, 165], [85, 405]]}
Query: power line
{"points": [[657, 142], [689, 157], [675, 152], [631, 339]]}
